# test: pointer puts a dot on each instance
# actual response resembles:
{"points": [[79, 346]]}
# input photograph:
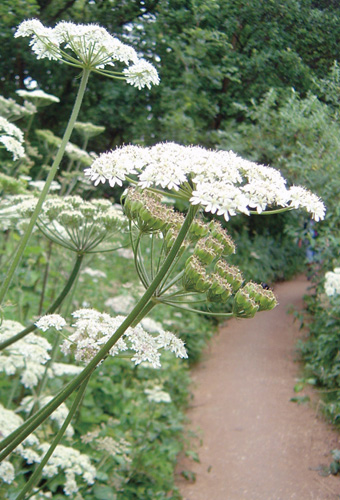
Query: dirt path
{"points": [[257, 444]]}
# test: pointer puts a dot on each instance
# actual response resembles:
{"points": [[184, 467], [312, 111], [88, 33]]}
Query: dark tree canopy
{"points": [[210, 54]]}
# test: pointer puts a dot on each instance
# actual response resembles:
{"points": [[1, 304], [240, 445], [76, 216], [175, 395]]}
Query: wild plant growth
{"points": [[180, 259]]}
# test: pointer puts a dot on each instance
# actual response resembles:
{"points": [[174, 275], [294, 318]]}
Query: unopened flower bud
{"points": [[244, 306], [208, 249], [223, 237], [71, 219], [220, 290], [195, 278], [231, 274], [265, 299], [198, 229]]}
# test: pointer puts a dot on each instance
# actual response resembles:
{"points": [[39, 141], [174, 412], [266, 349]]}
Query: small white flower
{"points": [[13, 146], [157, 395], [332, 282], [51, 321], [7, 473], [39, 97], [141, 74]]}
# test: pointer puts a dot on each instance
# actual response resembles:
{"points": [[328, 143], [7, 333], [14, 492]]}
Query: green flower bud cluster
{"points": [[231, 274], [244, 306], [88, 129], [208, 249], [198, 229], [265, 299], [150, 215], [221, 235], [195, 278], [207, 271], [219, 281], [220, 290], [252, 298]]}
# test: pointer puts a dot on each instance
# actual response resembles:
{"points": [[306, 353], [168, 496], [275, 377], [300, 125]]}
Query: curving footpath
{"points": [[256, 443]]}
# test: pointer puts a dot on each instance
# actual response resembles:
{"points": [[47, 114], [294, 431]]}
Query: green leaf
{"points": [[102, 492]]}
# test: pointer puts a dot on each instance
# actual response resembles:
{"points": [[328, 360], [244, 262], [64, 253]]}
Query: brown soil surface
{"points": [[256, 443]]}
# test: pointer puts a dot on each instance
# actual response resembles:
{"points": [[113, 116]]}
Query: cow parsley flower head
{"points": [[88, 46], [7, 472], [38, 97], [76, 466], [141, 74], [51, 320], [12, 138], [27, 356], [332, 282], [92, 329], [156, 394], [9, 422], [219, 181]]}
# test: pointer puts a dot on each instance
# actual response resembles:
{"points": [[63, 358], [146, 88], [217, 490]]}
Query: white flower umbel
{"points": [[302, 198], [9, 422], [27, 356], [38, 97], [332, 282], [92, 329], [220, 181], [7, 472], [12, 111], [88, 46], [76, 466], [141, 74], [122, 304], [12, 138], [51, 320], [157, 395]]}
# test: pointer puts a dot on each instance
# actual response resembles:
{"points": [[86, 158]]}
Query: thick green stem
{"points": [[30, 328], [144, 312], [38, 471], [15, 438], [24, 240]]}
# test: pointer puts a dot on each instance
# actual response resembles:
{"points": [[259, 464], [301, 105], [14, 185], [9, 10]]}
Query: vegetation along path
{"points": [[256, 443]]}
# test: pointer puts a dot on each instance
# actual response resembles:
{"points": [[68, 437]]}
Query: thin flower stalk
{"points": [[45, 278], [24, 240]]}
